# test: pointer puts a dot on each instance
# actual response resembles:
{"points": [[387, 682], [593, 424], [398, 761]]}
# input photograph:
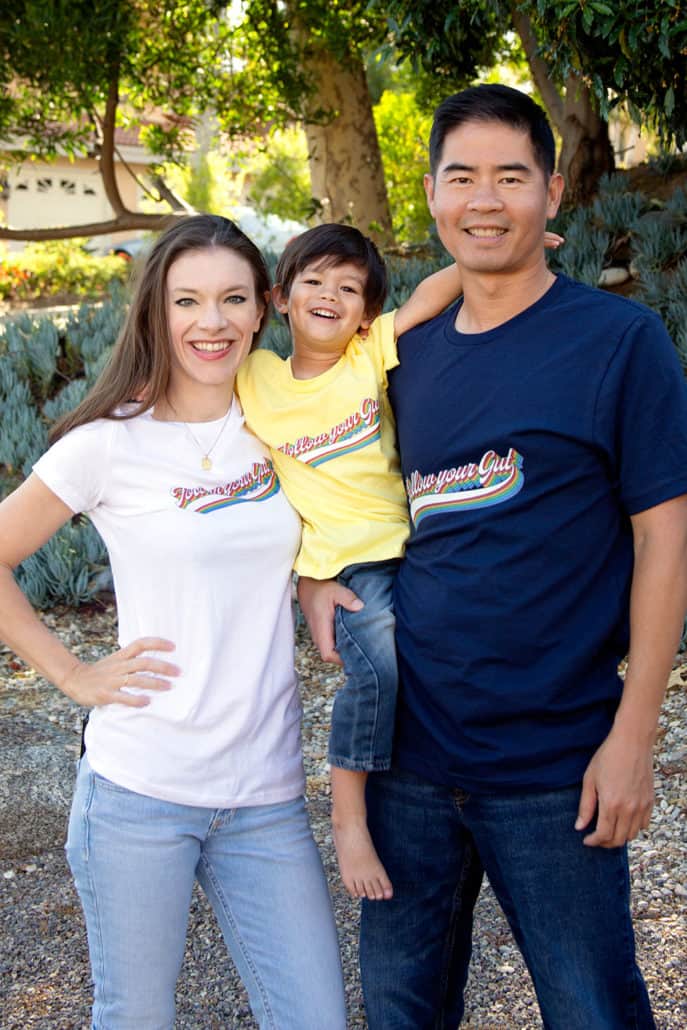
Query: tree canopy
{"points": [[585, 56], [71, 70]]}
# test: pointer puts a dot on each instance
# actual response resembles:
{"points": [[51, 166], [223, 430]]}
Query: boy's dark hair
{"points": [[334, 244], [492, 102]]}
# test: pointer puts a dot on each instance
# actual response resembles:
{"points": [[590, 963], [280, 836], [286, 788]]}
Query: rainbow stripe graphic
{"points": [[358, 429], [492, 481], [343, 446], [269, 490], [258, 483]]}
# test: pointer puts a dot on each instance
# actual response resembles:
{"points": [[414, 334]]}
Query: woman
{"points": [[193, 766]]}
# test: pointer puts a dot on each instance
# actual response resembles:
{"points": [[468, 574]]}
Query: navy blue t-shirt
{"points": [[524, 451]]}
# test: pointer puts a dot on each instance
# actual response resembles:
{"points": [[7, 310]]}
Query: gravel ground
{"points": [[43, 958]]}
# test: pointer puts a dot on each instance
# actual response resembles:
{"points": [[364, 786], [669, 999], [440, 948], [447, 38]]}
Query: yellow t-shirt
{"points": [[332, 440]]}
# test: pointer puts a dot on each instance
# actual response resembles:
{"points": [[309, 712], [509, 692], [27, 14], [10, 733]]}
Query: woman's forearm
{"points": [[22, 630]]}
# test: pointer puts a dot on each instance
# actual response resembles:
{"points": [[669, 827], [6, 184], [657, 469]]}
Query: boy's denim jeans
{"points": [[135, 859], [364, 708], [567, 905]]}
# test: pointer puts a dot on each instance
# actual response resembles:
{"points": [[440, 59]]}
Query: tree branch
{"points": [[539, 68], [107, 149], [127, 221], [168, 194]]}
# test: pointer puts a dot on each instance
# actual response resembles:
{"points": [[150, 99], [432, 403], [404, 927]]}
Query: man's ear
{"points": [[428, 182], [280, 299], [555, 194]]}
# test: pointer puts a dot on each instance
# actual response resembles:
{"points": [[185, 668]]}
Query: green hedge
{"points": [[60, 267]]}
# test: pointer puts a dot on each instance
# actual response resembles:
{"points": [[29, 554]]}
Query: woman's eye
{"points": [[235, 298], [184, 302]]}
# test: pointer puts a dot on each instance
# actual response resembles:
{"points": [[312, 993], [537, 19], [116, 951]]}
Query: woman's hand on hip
{"points": [[107, 682]]}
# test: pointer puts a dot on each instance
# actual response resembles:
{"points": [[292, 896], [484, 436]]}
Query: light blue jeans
{"points": [[134, 861]]}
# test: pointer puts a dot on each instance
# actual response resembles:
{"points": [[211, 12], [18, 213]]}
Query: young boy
{"points": [[325, 416]]}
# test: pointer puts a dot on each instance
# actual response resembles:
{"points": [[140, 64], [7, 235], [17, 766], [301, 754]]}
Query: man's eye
{"points": [[510, 180]]}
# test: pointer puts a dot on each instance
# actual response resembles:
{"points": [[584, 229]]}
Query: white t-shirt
{"points": [[201, 558]]}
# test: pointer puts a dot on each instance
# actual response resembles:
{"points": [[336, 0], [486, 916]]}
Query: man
{"points": [[543, 435]]}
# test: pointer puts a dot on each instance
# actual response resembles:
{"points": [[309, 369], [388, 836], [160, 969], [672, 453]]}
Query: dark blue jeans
{"points": [[567, 905], [365, 707]]}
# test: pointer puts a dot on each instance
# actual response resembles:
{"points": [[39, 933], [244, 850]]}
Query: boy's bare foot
{"points": [[362, 873]]}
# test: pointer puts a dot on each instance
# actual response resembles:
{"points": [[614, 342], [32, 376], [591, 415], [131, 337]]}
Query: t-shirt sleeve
{"points": [[641, 416], [76, 467], [254, 382], [380, 344]]}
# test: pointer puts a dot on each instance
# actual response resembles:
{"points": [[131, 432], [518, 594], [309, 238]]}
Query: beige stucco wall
{"points": [[42, 195]]}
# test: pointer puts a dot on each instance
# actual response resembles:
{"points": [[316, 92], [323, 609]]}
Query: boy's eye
{"points": [[349, 289], [312, 282]]}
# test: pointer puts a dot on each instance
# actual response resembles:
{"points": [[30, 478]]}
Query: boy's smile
{"points": [[325, 308]]}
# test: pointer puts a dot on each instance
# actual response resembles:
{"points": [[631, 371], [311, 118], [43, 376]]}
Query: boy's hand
{"points": [[552, 240], [318, 599]]}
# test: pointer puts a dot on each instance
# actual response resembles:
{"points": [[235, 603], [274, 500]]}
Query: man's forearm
{"points": [[658, 602]]}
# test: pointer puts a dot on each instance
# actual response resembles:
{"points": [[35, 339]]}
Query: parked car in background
{"points": [[128, 249]]}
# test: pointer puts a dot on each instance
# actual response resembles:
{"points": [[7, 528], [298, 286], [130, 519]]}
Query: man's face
{"points": [[491, 200]]}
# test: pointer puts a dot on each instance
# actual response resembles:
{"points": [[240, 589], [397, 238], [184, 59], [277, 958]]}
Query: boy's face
{"points": [[325, 306], [491, 200]]}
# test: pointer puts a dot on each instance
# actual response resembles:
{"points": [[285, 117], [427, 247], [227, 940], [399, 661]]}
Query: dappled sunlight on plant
{"points": [[58, 268]]}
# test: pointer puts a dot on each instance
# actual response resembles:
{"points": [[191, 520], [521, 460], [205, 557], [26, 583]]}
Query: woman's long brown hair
{"points": [[140, 362]]}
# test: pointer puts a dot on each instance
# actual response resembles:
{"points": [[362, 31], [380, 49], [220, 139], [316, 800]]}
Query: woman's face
{"points": [[212, 315]]}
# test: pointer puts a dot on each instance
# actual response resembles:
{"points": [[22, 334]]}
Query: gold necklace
{"points": [[205, 461]]}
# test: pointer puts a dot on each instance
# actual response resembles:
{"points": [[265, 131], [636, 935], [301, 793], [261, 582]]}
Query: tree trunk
{"points": [[586, 153], [343, 150]]}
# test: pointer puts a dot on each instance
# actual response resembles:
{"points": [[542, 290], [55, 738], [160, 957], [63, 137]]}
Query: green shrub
{"points": [[57, 267], [45, 370]]}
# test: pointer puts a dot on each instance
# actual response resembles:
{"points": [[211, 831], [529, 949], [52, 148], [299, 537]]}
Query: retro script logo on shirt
{"points": [[257, 484], [492, 480], [355, 431]]}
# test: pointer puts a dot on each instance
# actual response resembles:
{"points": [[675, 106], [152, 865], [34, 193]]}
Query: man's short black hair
{"points": [[334, 244], [492, 102]]}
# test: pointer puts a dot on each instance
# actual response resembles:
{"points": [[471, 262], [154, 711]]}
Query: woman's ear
{"points": [[280, 299]]}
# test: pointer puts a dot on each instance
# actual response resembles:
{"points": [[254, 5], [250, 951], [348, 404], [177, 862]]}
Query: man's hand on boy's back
{"points": [[318, 599]]}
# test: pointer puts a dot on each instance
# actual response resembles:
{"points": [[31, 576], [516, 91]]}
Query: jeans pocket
{"points": [[102, 783]]}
